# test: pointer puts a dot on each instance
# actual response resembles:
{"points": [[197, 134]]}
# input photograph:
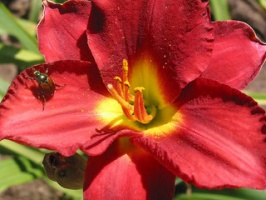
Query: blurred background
{"points": [[21, 172]]}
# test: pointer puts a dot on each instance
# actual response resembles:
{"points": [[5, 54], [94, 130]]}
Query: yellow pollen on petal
{"points": [[133, 106]]}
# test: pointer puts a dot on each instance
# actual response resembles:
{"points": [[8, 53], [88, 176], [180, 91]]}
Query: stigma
{"points": [[133, 106]]}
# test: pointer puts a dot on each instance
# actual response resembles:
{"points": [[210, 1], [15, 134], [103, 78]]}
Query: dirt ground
{"points": [[35, 190], [244, 10]]}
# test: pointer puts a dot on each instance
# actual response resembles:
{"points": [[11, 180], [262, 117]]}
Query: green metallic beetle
{"points": [[46, 85]]}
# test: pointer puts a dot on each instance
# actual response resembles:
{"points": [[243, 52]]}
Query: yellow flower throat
{"points": [[133, 105]]}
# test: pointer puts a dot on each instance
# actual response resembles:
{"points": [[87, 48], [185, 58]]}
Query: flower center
{"points": [[133, 105]]}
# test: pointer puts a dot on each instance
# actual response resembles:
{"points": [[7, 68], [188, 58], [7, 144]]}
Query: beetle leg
{"points": [[59, 86], [28, 77], [42, 98], [43, 102]]}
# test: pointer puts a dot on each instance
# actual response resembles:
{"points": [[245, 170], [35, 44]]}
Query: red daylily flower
{"points": [[148, 99]]}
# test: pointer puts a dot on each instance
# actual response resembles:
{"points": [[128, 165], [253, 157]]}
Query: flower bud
{"points": [[66, 171]]}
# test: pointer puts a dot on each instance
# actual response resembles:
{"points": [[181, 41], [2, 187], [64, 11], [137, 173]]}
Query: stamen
{"points": [[126, 91], [122, 95], [119, 86], [127, 108], [125, 76], [129, 114], [125, 71], [117, 97], [139, 107]]}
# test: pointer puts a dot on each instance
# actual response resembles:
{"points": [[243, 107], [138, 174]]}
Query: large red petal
{"points": [[62, 31], [219, 140], [68, 119], [174, 36], [127, 172], [237, 55]]}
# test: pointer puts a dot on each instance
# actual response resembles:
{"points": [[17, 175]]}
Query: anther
{"points": [[125, 71]]}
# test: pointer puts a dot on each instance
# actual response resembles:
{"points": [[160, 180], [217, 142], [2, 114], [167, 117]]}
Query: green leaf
{"points": [[36, 6], [11, 26], [259, 97], [25, 166], [75, 194], [60, 1], [206, 196], [34, 155], [262, 3], [178, 181], [252, 194], [29, 26], [220, 9], [3, 87], [228, 194], [18, 170], [21, 57]]}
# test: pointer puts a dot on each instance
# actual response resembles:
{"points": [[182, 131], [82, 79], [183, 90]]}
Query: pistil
{"points": [[133, 106]]}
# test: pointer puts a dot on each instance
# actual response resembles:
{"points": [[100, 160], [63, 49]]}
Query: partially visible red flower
{"points": [[155, 96]]}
